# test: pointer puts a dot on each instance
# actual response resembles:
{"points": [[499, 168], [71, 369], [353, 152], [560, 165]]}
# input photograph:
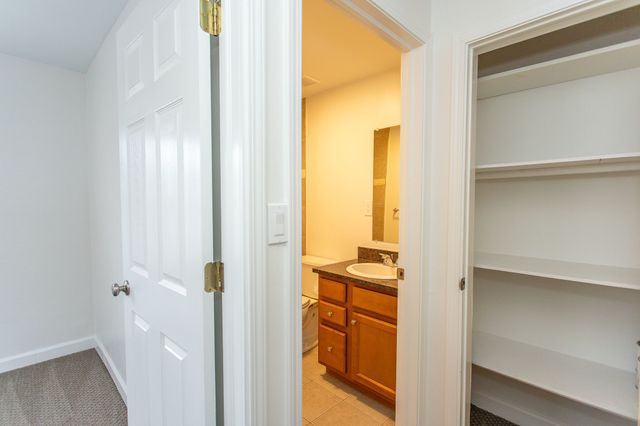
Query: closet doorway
{"points": [[553, 219]]}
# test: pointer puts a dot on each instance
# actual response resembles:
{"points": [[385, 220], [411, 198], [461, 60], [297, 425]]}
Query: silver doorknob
{"points": [[116, 289], [330, 349], [354, 322], [330, 314]]}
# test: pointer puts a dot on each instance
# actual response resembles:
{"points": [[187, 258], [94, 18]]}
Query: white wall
{"points": [[44, 229], [412, 14], [579, 118], [340, 126]]}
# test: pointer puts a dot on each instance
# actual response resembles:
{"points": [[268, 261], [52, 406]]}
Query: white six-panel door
{"points": [[166, 213]]}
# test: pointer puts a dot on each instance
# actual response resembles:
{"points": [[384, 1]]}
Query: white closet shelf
{"points": [[598, 385], [586, 273], [612, 163], [608, 59]]}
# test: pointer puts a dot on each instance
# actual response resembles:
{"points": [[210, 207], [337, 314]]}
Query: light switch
{"points": [[278, 224], [368, 208]]}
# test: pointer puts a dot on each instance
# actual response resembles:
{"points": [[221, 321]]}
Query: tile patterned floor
{"points": [[329, 401]]}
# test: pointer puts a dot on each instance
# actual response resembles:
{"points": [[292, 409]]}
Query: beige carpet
{"points": [[73, 390]]}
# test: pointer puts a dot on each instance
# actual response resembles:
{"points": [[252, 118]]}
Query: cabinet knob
{"points": [[329, 348], [354, 322], [330, 314]]}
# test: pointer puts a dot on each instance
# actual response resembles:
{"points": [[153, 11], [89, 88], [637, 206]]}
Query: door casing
{"points": [[261, 163]]}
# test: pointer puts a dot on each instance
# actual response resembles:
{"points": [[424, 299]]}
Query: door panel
{"points": [[373, 354], [173, 386], [138, 401], [166, 213]]}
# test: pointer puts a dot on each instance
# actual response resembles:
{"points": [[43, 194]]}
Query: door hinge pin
{"points": [[214, 277], [463, 283], [211, 16]]}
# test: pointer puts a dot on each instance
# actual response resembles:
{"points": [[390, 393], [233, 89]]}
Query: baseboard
{"points": [[45, 354], [510, 412], [111, 368]]}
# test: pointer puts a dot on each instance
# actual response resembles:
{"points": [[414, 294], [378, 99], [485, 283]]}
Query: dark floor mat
{"points": [[479, 417]]}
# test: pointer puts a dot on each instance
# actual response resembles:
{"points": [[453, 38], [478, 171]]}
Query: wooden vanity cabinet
{"points": [[362, 349]]}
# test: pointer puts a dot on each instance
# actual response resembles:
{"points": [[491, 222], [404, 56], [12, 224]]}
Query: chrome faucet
{"points": [[387, 260]]}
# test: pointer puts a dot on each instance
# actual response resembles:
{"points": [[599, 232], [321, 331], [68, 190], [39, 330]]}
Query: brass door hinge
{"points": [[211, 16], [214, 277]]}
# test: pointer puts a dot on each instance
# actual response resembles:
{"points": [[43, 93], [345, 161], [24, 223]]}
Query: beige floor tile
{"points": [[334, 385], [321, 392], [316, 400], [313, 353], [310, 366], [305, 422], [389, 422], [345, 414], [372, 407]]}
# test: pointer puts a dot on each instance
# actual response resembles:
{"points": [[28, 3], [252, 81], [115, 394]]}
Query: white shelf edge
{"points": [[584, 381], [560, 270], [617, 57], [612, 163]]}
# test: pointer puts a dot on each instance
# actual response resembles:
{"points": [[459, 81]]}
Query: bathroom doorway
{"points": [[350, 183]]}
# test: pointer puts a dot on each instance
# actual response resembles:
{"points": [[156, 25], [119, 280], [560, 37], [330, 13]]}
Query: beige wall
{"points": [[304, 176], [339, 162]]}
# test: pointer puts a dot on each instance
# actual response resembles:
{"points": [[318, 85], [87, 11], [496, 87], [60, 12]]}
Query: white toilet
{"points": [[310, 300]]}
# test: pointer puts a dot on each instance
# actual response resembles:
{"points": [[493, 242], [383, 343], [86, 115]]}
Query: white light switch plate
{"points": [[278, 223], [368, 208]]}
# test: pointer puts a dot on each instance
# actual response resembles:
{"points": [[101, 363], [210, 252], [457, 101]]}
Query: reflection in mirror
{"points": [[386, 184]]}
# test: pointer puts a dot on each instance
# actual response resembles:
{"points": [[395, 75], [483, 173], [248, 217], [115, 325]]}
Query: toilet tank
{"points": [[310, 278]]}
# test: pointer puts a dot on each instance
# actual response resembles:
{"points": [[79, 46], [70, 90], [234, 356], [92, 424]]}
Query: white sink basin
{"points": [[373, 270]]}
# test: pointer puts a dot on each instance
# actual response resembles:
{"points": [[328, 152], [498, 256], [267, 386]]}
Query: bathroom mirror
{"points": [[385, 206]]}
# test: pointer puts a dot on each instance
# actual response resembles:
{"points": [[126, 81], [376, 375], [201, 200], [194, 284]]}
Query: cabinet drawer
{"points": [[372, 301], [332, 290], [333, 313], [332, 348]]}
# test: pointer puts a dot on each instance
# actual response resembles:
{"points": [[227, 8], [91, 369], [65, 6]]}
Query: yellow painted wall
{"points": [[339, 162]]}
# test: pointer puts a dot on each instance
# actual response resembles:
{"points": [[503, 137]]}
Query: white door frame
{"points": [[261, 163], [414, 196], [462, 166]]}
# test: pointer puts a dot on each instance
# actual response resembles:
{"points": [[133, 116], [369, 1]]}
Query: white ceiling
{"points": [[337, 49], [64, 33]]}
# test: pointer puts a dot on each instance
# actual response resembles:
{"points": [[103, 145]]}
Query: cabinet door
{"points": [[373, 354]]}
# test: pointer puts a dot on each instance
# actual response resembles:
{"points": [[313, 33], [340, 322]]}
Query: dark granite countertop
{"points": [[338, 271]]}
